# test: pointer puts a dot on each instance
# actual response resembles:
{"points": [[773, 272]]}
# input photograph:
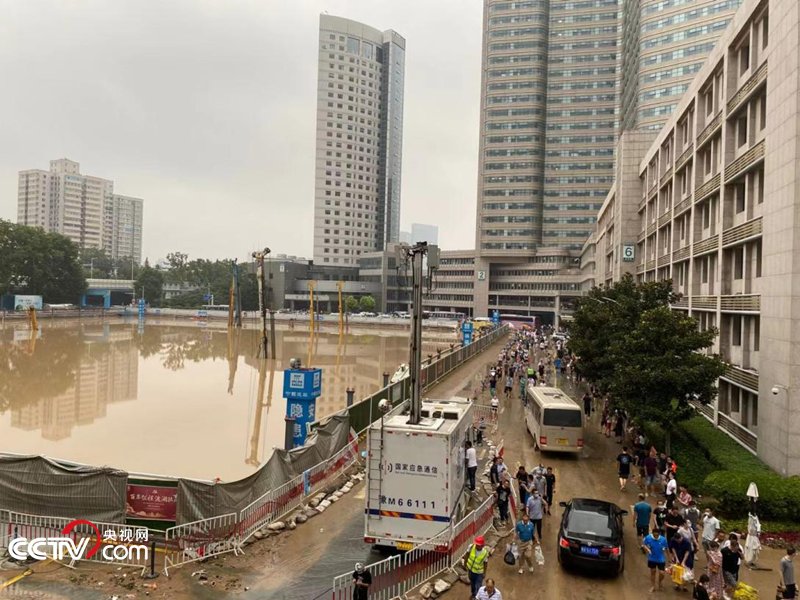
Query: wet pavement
{"points": [[593, 474]]}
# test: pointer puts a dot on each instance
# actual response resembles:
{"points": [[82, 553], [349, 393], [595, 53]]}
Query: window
{"points": [[738, 263], [704, 269], [764, 26], [705, 211], [757, 253], [736, 330], [762, 113], [744, 56], [741, 129], [739, 201], [756, 333]]}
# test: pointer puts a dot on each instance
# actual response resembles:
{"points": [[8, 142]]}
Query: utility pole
{"points": [[341, 314], [311, 323], [415, 255], [262, 305]]}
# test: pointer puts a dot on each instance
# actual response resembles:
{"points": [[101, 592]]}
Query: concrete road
{"points": [[593, 475]]}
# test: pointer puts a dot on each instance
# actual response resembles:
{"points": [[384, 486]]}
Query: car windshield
{"points": [[589, 524], [562, 417]]}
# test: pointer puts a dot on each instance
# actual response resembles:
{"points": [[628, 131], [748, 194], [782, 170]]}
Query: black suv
{"points": [[590, 535]]}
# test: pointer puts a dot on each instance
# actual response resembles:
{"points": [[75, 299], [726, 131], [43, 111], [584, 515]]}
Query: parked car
{"points": [[590, 536]]}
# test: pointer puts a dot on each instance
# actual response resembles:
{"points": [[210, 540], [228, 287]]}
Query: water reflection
{"points": [[174, 398]]}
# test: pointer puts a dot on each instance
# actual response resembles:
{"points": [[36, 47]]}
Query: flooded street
{"points": [[175, 398]]}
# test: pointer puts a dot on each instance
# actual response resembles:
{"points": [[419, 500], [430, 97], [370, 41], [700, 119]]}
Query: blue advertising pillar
{"points": [[496, 317], [466, 332], [301, 388]]}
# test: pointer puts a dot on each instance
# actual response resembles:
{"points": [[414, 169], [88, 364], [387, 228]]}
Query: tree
{"points": [[607, 314], [351, 304], [36, 262], [367, 303], [96, 263], [651, 359], [661, 366], [152, 282]]}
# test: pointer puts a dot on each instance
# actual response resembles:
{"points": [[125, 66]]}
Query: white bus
{"points": [[554, 420]]}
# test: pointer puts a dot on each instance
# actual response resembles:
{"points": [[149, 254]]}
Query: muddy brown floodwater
{"points": [[177, 397]]}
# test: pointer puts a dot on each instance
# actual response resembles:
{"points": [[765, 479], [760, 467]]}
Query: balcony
{"points": [[682, 206], [682, 302], [742, 233], [708, 188], [745, 162], [640, 237], [709, 130], [684, 157], [750, 86], [663, 260], [747, 303], [664, 219], [705, 302], [681, 254], [665, 177], [651, 264], [640, 268], [705, 246], [651, 229], [741, 434], [742, 378]]}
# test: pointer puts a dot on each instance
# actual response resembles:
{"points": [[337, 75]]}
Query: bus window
{"points": [[560, 417]]}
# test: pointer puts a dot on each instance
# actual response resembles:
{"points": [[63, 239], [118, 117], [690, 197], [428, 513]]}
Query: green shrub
{"points": [[693, 463], [720, 448], [710, 463], [779, 497]]}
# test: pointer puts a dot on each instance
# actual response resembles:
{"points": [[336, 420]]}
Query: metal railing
{"points": [[264, 510], [197, 540], [106, 536], [401, 573]]}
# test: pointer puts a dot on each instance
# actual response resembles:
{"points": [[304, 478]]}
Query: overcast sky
{"points": [[206, 109]]}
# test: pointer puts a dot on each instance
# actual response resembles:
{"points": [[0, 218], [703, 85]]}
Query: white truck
{"points": [[416, 473]]}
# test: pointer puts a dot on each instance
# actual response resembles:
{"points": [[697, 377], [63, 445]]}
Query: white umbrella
{"points": [[752, 491]]}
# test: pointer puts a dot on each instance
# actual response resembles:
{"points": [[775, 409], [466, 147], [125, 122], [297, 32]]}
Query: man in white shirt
{"points": [[489, 591], [472, 464], [711, 526]]}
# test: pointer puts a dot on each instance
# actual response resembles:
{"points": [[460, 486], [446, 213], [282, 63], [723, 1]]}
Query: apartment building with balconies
{"points": [[718, 211]]}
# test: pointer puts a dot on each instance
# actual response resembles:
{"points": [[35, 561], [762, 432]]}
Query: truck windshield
{"points": [[562, 417]]}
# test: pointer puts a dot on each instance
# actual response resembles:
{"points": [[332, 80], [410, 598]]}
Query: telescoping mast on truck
{"points": [[415, 464], [416, 473]]}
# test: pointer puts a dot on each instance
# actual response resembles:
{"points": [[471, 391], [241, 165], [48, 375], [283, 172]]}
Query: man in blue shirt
{"points": [[524, 531], [656, 548], [641, 516]]}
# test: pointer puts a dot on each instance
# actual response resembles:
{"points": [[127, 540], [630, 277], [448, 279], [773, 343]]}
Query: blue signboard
{"points": [[302, 384], [141, 308], [466, 332], [496, 317], [301, 388]]}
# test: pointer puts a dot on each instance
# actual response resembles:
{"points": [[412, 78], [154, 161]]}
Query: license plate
{"points": [[590, 551], [563, 442], [405, 546]]}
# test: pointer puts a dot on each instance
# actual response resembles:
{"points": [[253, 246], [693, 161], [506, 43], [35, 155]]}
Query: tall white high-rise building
{"points": [[359, 140], [81, 207]]}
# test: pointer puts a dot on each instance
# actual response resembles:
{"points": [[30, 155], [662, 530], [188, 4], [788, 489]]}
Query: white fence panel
{"points": [[195, 541]]}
